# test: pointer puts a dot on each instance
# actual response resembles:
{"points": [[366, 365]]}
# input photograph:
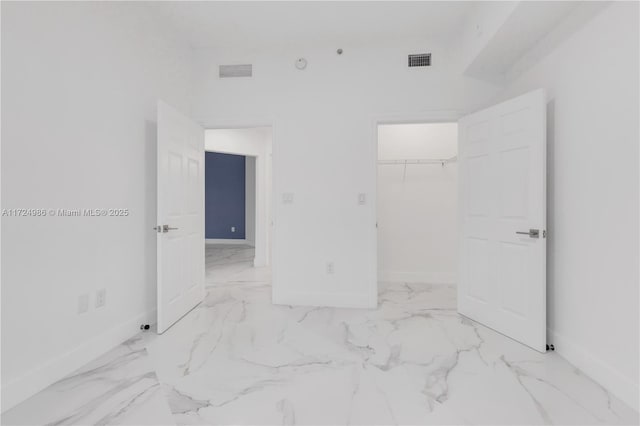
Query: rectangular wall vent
{"points": [[228, 71], [420, 60]]}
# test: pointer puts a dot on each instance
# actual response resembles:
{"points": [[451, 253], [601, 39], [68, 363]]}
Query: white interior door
{"points": [[502, 153], [180, 230]]}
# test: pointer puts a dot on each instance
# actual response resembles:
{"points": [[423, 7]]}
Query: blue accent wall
{"points": [[224, 198]]}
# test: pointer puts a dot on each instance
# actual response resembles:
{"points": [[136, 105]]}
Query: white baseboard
{"points": [[226, 241], [605, 374], [35, 380], [417, 277], [335, 300]]}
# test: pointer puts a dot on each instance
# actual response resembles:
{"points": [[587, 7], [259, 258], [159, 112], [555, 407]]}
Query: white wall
{"points": [[250, 200], [252, 142], [324, 148], [592, 82], [417, 204], [79, 88], [481, 25]]}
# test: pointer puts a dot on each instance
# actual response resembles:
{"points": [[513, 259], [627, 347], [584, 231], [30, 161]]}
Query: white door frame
{"points": [[264, 167], [426, 117]]}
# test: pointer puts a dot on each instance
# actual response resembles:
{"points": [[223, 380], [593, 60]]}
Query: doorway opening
{"points": [[237, 204], [417, 212]]}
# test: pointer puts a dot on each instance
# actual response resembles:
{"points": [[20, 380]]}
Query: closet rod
{"points": [[420, 161]]}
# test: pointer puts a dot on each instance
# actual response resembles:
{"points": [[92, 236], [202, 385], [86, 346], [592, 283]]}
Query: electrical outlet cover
{"points": [[329, 268], [101, 298], [287, 198], [83, 303]]}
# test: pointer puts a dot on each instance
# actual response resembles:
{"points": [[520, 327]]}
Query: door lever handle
{"points": [[163, 229], [532, 233]]}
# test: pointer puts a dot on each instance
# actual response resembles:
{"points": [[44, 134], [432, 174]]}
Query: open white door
{"points": [[502, 154], [180, 215]]}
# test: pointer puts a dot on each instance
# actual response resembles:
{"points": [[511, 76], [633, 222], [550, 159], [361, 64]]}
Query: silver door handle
{"points": [[532, 233], [163, 228]]}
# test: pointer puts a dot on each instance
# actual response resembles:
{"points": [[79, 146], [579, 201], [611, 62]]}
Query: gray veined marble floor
{"points": [[237, 359], [120, 387]]}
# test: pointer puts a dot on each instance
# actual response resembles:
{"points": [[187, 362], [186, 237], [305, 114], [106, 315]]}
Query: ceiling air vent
{"points": [[420, 60], [228, 71]]}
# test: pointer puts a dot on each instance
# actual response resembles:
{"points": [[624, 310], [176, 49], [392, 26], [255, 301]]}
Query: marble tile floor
{"points": [[119, 388], [238, 359], [232, 264]]}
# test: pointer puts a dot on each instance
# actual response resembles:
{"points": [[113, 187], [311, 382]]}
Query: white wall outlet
{"points": [[287, 198], [101, 298], [329, 268], [83, 303], [233, 229], [362, 198]]}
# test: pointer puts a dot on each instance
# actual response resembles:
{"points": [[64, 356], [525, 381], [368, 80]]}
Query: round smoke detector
{"points": [[301, 63]]}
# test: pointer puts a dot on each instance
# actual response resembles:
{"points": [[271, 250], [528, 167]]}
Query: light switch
{"points": [[362, 198]]}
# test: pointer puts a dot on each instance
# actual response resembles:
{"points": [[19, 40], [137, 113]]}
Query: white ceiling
{"points": [[268, 24]]}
